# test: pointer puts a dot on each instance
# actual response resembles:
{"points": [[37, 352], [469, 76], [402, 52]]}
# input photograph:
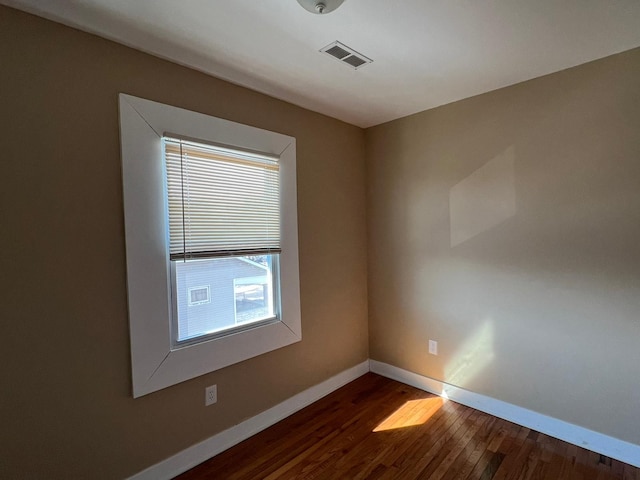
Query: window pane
{"points": [[251, 298], [213, 295]]}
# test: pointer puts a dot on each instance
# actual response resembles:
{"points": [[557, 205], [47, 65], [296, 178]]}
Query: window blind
{"points": [[221, 202]]}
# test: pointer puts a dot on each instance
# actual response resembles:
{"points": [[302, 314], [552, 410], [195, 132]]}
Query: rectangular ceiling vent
{"points": [[346, 55]]}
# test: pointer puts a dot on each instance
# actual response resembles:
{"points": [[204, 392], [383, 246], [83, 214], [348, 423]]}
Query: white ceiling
{"points": [[426, 52]]}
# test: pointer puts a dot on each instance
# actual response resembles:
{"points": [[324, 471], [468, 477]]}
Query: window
{"points": [[198, 295], [224, 206], [211, 238]]}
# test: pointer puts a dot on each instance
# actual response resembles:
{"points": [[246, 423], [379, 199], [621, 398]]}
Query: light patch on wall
{"points": [[471, 358], [484, 199]]}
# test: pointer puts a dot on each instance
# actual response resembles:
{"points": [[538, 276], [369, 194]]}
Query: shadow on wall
{"points": [[484, 199]]}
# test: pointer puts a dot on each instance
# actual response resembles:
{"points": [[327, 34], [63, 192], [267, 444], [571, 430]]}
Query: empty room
{"points": [[320, 239]]}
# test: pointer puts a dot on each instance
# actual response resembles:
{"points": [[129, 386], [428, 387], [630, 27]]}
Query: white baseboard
{"points": [[198, 453], [582, 437]]}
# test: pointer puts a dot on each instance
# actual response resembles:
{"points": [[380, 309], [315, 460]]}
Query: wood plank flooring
{"points": [[376, 428]]}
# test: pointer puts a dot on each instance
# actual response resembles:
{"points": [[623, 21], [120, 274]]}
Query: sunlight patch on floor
{"points": [[412, 413]]}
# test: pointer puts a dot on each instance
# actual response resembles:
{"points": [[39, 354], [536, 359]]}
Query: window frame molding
{"points": [[155, 364]]}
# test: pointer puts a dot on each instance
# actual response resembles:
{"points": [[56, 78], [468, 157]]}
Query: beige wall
{"points": [[535, 295], [66, 404]]}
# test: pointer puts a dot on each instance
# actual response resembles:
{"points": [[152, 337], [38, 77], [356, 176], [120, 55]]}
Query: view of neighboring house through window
{"points": [[241, 293], [253, 295]]}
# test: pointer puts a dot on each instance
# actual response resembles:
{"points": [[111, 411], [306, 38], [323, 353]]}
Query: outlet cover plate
{"points": [[210, 395]]}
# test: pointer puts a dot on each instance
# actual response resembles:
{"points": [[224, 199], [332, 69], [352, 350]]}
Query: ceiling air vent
{"points": [[346, 55]]}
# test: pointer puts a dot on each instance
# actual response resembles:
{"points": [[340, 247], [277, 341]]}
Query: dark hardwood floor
{"points": [[376, 428]]}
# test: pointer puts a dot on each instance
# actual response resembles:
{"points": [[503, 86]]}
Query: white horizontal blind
{"points": [[222, 202]]}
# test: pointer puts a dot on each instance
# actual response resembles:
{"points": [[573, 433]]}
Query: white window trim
{"points": [[154, 364]]}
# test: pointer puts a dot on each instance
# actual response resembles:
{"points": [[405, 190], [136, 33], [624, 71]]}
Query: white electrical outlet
{"points": [[433, 347], [210, 395]]}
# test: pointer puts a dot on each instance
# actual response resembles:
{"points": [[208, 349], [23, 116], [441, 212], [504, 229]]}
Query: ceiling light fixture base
{"points": [[320, 7]]}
